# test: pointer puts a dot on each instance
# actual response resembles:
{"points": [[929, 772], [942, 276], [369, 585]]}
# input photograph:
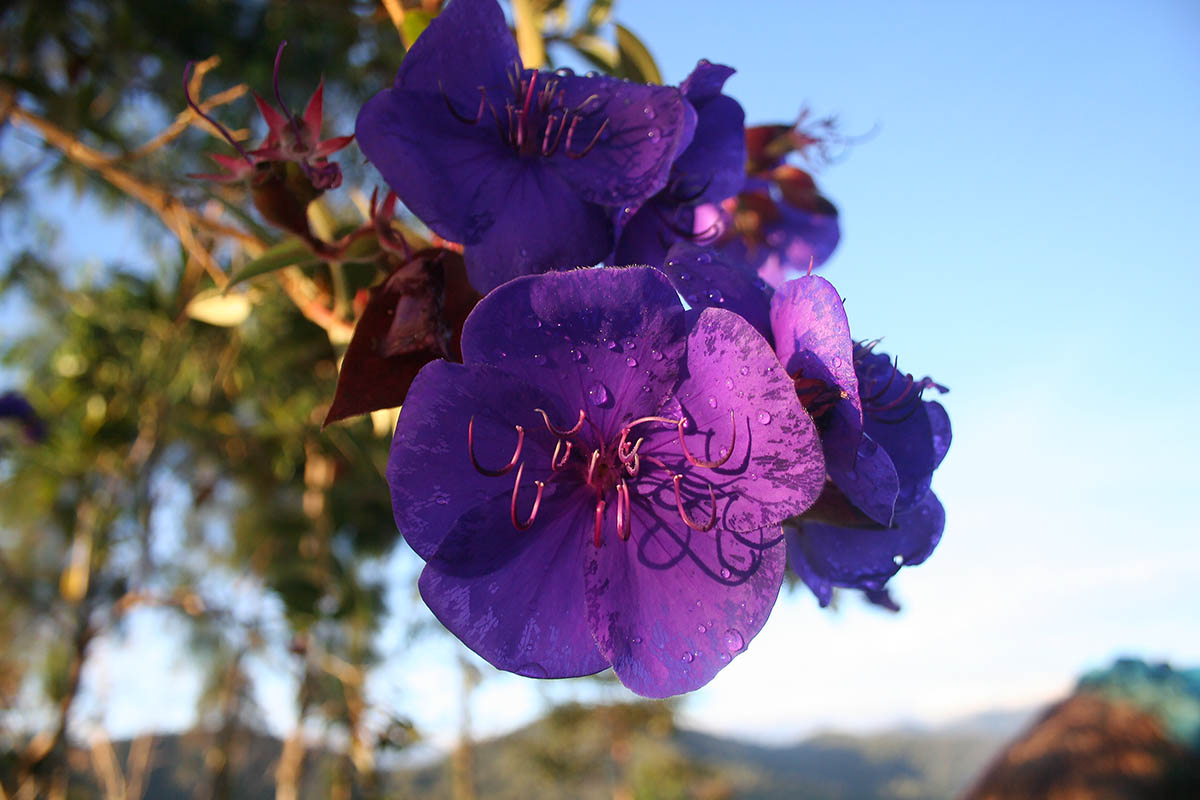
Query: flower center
{"points": [[582, 456], [534, 119]]}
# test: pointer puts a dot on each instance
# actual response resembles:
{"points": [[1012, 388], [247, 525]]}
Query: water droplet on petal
{"points": [[837, 362], [598, 394], [645, 388], [575, 354], [649, 113], [565, 72], [687, 657], [611, 344], [701, 629], [704, 257], [729, 383], [764, 417], [631, 361], [653, 134], [657, 356], [734, 640], [503, 354], [725, 573], [898, 560], [538, 358], [723, 656], [715, 296], [744, 371], [636, 640], [712, 402], [685, 276]]}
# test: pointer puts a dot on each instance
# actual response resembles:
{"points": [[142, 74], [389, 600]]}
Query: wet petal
{"points": [[647, 235], [516, 597], [868, 480], [865, 559], [430, 473], [644, 129], [713, 166], [534, 209], [608, 341], [672, 606], [775, 469], [939, 423], [812, 340], [706, 280]]}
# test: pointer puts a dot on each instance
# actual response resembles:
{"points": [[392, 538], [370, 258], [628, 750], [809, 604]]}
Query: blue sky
{"points": [[1022, 228]]}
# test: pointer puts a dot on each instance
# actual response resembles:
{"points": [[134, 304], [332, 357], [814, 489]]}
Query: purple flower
{"points": [[522, 167], [14, 406], [601, 482], [710, 170]]}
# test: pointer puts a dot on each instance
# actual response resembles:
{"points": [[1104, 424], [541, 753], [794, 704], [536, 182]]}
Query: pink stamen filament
{"points": [[493, 473], [598, 531], [683, 515], [592, 466], [700, 462], [226, 135], [624, 512], [561, 433], [537, 502], [461, 118], [590, 145], [555, 463]]}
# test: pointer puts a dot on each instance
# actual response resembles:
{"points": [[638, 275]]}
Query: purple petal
{"points": [[706, 280], [466, 46], [791, 242], [713, 166], [671, 606], [812, 340], [647, 235], [516, 597], [865, 559], [939, 423], [533, 210], [452, 175], [644, 129], [882, 598], [776, 469], [868, 480], [608, 341], [893, 418], [429, 469]]}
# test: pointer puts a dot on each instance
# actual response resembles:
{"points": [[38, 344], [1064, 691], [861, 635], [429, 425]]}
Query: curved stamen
{"points": [[548, 148], [592, 466], [226, 135], [562, 433], [683, 515], [493, 473], [590, 145], [279, 97], [688, 199], [537, 502], [555, 463], [624, 513], [888, 384], [461, 118], [904, 395], [664, 420], [700, 462], [598, 531]]}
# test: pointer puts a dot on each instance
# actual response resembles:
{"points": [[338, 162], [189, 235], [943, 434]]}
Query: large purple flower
{"points": [[601, 482], [710, 170], [522, 167]]}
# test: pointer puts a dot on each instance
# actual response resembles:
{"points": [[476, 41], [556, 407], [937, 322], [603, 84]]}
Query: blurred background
{"points": [[202, 594]]}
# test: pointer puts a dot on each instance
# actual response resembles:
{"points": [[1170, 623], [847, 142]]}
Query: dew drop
{"points": [[725, 573], [649, 113], [671, 262], [685, 276], [687, 657], [503, 354], [715, 296], [701, 629], [538, 358], [744, 371], [734, 640], [629, 343], [631, 361], [657, 356], [712, 402], [645, 388], [898, 560], [611, 344], [575, 354], [653, 134], [565, 72], [837, 361], [764, 417], [598, 394], [729, 383], [723, 656], [636, 640]]}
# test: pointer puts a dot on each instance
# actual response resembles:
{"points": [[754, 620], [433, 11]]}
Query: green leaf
{"points": [[595, 51], [528, 18], [287, 253], [599, 13], [415, 23], [636, 62]]}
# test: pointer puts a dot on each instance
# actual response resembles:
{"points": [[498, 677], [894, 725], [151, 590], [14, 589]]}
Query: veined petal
{"points": [[637, 129], [516, 597], [541, 225], [812, 340], [467, 46], [596, 336], [706, 280], [432, 479], [672, 606]]}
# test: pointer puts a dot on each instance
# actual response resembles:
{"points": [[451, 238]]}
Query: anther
{"points": [[624, 513], [570, 432], [537, 502], [683, 515], [493, 473], [590, 145], [555, 463], [700, 462], [598, 531]]}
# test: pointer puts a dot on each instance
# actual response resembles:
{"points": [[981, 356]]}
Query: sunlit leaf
{"points": [[636, 62]]}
